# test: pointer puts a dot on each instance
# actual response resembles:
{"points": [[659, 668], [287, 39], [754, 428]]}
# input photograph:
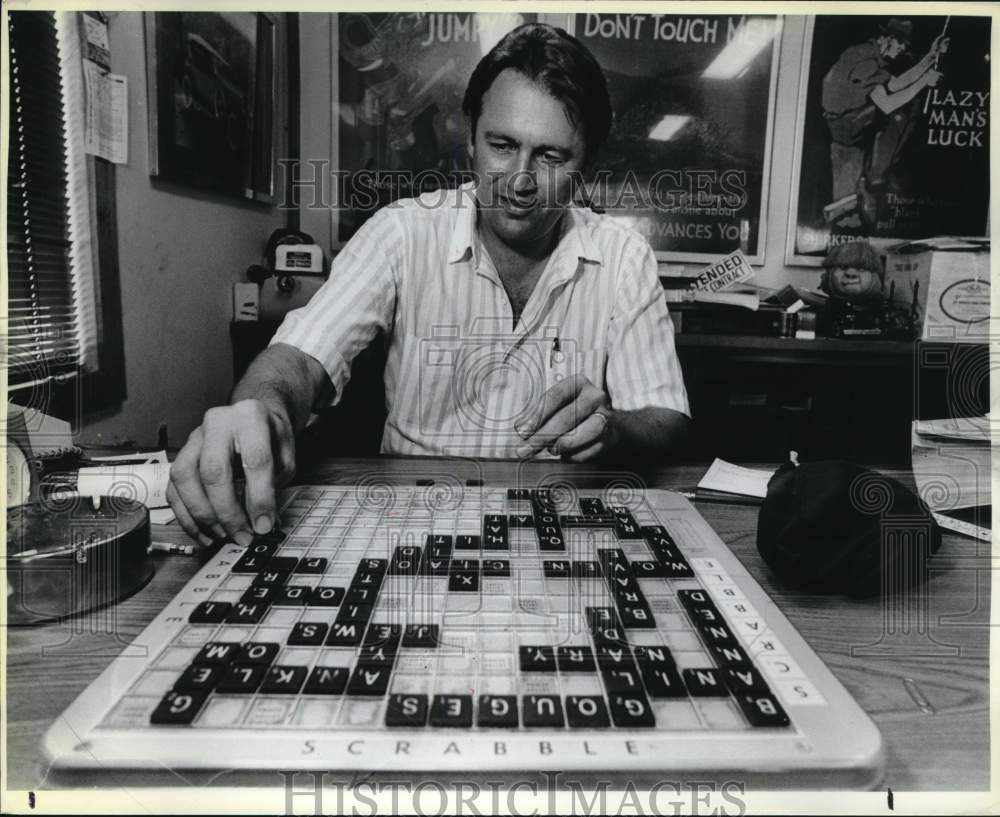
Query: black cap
{"points": [[836, 527], [901, 30]]}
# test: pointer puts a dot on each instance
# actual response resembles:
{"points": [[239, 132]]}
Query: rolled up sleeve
{"points": [[643, 369], [353, 305]]}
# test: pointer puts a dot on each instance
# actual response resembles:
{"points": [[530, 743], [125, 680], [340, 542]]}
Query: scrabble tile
{"points": [[283, 680], [200, 678], [498, 711], [326, 681], [178, 707], [451, 710], [705, 682], [210, 612], [542, 711], [537, 659], [575, 659], [369, 679], [326, 596], [762, 710], [587, 712], [406, 710], [242, 679], [631, 710]]}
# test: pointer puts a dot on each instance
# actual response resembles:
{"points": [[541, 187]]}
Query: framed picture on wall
{"points": [[211, 91], [892, 132], [688, 161], [400, 79]]}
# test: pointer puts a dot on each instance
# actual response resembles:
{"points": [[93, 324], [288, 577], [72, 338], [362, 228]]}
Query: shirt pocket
{"points": [[590, 363], [424, 393]]}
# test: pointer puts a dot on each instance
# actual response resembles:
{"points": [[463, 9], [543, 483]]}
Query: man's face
{"points": [[524, 151], [891, 47]]}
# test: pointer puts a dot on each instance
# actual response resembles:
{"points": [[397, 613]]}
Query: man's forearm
{"points": [[911, 75], [284, 380], [646, 435], [889, 103]]}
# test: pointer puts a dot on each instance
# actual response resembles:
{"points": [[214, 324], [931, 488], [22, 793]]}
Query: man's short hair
{"points": [[560, 64]]}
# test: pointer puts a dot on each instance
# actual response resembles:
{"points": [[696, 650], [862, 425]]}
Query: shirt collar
{"points": [[575, 242], [463, 234]]}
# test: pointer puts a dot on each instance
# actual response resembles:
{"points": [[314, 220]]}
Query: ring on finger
{"points": [[604, 417]]}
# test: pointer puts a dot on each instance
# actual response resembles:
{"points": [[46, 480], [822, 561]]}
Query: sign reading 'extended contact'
{"points": [[729, 270]]}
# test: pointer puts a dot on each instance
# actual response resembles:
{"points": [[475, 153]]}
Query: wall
{"points": [[179, 253], [319, 137]]}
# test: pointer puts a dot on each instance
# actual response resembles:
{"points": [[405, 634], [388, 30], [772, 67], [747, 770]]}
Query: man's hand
{"points": [[202, 489], [574, 422], [940, 45]]}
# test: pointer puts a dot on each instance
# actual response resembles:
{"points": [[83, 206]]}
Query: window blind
{"points": [[43, 330]]}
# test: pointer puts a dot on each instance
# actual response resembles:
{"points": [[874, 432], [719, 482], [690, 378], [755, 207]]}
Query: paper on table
{"points": [[161, 516], [747, 300], [971, 429], [735, 479], [146, 482], [951, 473], [139, 458]]}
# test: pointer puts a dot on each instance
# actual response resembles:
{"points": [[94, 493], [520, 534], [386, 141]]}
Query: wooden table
{"points": [[923, 677]]}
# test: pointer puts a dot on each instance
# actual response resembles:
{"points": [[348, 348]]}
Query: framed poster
{"points": [[400, 79], [211, 90], [892, 132], [689, 156]]}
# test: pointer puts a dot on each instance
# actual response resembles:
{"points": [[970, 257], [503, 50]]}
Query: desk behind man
{"points": [[571, 345]]}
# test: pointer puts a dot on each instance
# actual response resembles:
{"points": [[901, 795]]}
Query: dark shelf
{"points": [[850, 399]]}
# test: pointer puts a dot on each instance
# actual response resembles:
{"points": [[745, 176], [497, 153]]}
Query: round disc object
{"points": [[66, 557]]}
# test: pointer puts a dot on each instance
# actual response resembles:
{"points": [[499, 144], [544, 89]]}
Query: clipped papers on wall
{"points": [[106, 114]]}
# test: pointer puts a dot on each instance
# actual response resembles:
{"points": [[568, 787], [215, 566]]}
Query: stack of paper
{"points": [[143, 477], [37, 433], [951, 462]]}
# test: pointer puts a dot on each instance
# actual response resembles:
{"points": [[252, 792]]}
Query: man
{"points": [[516, 323], [869, 114]]}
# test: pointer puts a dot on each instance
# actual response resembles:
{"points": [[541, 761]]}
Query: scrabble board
{"points": [[491, 629]]}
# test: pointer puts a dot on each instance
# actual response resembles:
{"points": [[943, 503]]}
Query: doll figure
{"points": [[853, 278]]}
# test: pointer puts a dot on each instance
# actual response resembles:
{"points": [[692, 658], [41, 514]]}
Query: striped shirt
{"points": [[459, 374]]}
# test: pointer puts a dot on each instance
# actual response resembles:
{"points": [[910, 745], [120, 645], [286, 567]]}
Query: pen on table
{"points": [[733, 499], [168, 547]]}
